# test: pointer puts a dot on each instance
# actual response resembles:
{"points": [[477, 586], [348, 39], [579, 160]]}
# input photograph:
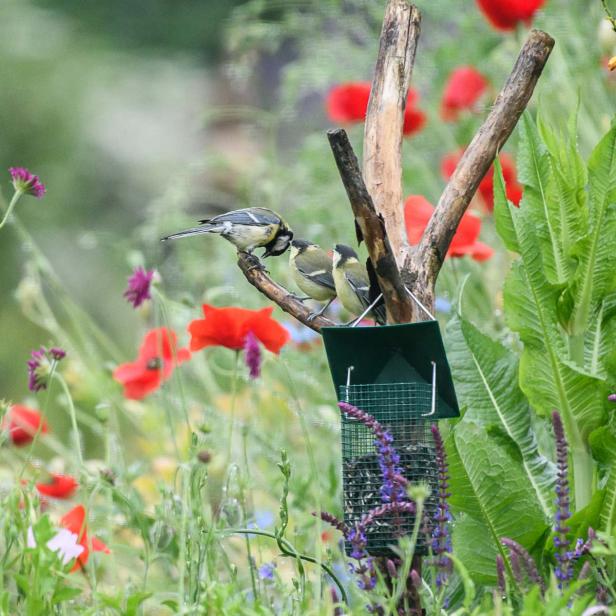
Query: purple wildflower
{"points": [[139, 283], [252, 355], [40, 365], [266, 571], [519, 556], [612, 397], [392, 490], [57, 353], [500, 574], [441, 538], [364, 567], [564, 571], [26, 182]]}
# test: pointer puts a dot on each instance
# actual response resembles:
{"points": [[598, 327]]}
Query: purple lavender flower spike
{"points": [[392, 490], [252, 355], [40, 366], [441, 538], [26, 182], [500, 574], [522, 557], [139, 283], [563, 571]]}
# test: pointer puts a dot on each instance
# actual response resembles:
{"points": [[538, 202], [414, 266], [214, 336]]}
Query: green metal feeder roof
{"points": [[392, 354]]}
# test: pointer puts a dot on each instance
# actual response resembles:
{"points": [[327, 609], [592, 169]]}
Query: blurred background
{"points": [[142, 116]]}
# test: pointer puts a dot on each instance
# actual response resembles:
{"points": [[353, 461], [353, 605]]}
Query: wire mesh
{"points": [[399, 408]]}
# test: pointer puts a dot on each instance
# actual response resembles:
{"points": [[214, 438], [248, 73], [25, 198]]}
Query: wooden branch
{"points": [[385, 118], [424, 263], [372, 227], [279, 295]]}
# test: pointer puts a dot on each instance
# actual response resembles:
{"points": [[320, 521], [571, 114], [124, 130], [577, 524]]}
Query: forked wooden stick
{"points": [[381, 191]]}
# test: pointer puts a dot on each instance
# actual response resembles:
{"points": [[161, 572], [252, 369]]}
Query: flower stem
{"points": [[9, 209], [73, 416], [233, 401]]}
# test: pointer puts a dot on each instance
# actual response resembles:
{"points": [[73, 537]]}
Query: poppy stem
{"points": [[73, 416], [233, 401]]}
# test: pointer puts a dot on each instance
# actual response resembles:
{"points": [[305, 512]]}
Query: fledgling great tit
{"points": [[246, 229], [353, 284], [311, 269]]}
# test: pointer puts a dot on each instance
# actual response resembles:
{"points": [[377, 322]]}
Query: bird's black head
{"points": [[301, 245], [279, 244], [345, 252]]}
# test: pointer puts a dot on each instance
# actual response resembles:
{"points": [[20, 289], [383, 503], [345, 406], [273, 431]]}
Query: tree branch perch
{"points": [[278, 294]]}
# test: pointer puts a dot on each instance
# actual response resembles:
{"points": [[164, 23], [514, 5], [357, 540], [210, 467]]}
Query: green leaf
{"points": [[568, 183], [540, 202], [476, 548], [490, 486], [502, 213], [486, 376], [65, 594], [603, 444], [608, 513], [597, 255], [134, 601]]}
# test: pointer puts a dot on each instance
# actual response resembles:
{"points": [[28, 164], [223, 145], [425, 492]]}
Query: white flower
{"points": [[30, 540], [65, 544]]}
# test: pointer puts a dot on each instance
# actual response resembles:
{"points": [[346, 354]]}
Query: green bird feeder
{"points": [[399, 374]]}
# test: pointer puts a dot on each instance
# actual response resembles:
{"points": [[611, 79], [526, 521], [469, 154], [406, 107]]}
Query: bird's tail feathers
{"points": [[193, 231]]}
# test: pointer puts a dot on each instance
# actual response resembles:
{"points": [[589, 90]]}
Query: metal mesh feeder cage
{"points": [[398, 374]]}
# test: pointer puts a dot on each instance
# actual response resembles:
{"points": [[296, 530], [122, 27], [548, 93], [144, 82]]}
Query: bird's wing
{"points": [[250, 216], [321, 274], [358, 281]]}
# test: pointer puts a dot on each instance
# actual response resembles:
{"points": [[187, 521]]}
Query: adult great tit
{"points": [[353, 284], [246, 229], [311, 269]]}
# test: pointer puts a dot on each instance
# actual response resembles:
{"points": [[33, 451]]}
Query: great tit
{"points": [[311, 269], [353, 284], [247, 229]]}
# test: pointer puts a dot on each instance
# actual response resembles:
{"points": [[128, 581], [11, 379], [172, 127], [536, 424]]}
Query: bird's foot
{"points": [[255, 263]]}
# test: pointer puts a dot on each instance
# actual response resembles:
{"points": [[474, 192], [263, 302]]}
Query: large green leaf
{"points": [[568, 183], [547, 377], [488, 484], [486, 376], [597, 270], [540, 201], [608, 513]]}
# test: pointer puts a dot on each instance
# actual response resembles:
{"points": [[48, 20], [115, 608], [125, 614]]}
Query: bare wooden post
{"points": [[385, 118]]}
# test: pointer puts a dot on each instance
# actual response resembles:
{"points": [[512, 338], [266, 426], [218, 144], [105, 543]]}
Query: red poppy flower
{"points": [[158, 356], [75, 522], [505, 14], [414, 119], [486, 186], [418, 211], [229, 327], [60, 486], [464, 87], [348, 103], [23, 423]]}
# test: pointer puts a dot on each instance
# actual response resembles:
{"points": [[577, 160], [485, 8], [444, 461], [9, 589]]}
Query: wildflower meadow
{"points": [[308, 307]]}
